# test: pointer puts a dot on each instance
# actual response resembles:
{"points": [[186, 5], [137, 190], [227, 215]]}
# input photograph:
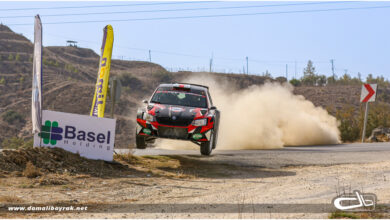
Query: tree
{"points": [[370, 78], [332, 80], [309, 75], [295, 82], [267, 74], [321, 80]]}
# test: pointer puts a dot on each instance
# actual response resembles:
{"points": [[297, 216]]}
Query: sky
{"points": [[280, 38]]}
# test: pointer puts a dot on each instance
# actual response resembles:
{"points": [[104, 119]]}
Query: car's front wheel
{"points": [[207, 147], [140, 142]]}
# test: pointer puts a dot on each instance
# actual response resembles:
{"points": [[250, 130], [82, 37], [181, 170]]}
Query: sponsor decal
{"points": [[197, 136], [177, 109], [91, 137]]}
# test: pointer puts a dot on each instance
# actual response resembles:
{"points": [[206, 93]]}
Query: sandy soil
{"points": [[165, 180]]}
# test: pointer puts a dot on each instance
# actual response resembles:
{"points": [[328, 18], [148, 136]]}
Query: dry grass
{"points": [[31, 171], [10, 199], [155, 165], [357, 215], [53, 180]]}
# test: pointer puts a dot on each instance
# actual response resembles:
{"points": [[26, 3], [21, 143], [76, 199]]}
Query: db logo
{"points": [[355, 201]]}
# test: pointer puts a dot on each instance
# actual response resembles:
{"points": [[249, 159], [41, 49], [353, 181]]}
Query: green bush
{"points": [[12, 116], [2, 81], [351, 121], [70, 68], [10, 57], [17, 57], [295, 82], [15, 143], [349, 124]]}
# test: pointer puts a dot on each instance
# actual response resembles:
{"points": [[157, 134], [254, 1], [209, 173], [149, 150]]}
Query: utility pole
{"points": [[211, 63], [287, 72], [295, 70], [247, 67], [150, 56], [243, 69], [332, 62]]}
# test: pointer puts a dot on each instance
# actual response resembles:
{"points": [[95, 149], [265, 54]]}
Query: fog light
{"points": [[197, 136], [147, 131]]}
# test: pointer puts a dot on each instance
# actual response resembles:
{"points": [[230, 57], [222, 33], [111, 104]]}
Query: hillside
{"points": [[69, 78]]}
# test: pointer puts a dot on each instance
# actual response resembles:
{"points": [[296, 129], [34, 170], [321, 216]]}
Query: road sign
{"points": [[368, 93]]}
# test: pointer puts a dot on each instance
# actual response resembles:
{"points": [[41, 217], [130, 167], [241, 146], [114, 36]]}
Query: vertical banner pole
{"points": [[36, 100], [365, 123]]}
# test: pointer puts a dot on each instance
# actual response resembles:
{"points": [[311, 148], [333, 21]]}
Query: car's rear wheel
{"points": [[140, 142], [207, 147]]}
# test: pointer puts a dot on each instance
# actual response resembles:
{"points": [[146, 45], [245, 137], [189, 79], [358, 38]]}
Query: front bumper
{"points": [[191, 133]]}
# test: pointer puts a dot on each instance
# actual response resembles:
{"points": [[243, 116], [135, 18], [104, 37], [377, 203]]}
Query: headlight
{"points": [[200, 122], [149, 117]]}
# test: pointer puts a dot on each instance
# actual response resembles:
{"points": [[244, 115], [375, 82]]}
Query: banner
{"points": [[91, 137], [99, 98], [36, 104]]}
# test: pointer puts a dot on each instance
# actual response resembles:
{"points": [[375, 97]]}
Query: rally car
{"points": [[179, 111]]}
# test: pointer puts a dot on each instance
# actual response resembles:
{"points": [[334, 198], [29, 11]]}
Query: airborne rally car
{"points": [[179, 111]]}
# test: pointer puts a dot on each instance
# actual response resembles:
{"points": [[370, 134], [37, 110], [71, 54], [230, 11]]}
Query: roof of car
{"points": [[194, 86]]}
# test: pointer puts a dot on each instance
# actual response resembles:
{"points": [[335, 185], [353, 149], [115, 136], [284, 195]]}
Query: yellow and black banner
{"points": [[99, 98]]}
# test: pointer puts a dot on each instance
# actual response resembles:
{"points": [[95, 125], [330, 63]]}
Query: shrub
{"points": [[17, 57], [10, 57], [163, 76], [16, 143], [130, 81], [31, 171], [12, 116], [295, 82], [70, 68], [349, 124], [2, 81]]}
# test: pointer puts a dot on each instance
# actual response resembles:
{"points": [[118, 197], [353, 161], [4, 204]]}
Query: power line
{"points": [[211, 16], [268, 62], [174, 10], [105, 6]]}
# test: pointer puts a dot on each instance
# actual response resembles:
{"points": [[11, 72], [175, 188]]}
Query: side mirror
{"points": [[213, 108], [145, 101]]}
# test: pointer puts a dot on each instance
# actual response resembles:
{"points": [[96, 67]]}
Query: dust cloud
{"points": [[264, 117]]}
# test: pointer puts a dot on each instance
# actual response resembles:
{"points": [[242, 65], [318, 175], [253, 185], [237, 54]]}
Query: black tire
{"points": [[140, 142], [216, 129], [207, 147]]}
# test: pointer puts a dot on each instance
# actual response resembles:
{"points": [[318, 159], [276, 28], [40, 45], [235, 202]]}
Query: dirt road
{"points": [[230, 184]]}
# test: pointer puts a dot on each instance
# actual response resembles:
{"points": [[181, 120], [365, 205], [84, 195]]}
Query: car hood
{"points": [[177, 112]]}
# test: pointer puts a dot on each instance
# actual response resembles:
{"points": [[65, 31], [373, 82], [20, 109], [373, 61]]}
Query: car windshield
{"points": [[181, 98]]}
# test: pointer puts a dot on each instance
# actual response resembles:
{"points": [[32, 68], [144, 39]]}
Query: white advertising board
{"points": [[91, 137]]}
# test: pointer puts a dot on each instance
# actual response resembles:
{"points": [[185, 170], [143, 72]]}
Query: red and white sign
{"points": [[368, 93]]}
